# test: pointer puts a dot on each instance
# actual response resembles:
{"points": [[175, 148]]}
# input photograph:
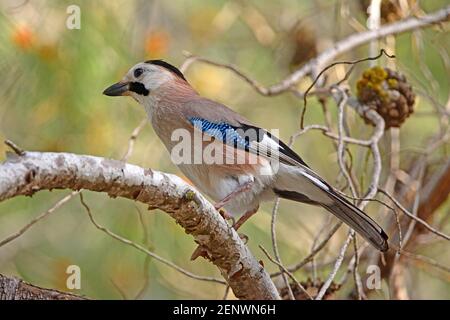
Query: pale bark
{"points": [[34, 171], [15, 289], [353, 41], [316, 64]]}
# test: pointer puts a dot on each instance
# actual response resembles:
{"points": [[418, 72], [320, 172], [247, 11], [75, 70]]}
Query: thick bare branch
{"points": [[313, 66], [15, 289], [34, 171], [355, 40]]}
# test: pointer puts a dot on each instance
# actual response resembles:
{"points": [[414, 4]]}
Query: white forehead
{"points": [[146, 67]]}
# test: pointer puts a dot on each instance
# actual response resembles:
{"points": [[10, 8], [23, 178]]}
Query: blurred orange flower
{"points": [[157, 44], [23, 37]]}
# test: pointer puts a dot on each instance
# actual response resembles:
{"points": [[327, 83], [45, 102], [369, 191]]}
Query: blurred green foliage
{"points": [[50, 100]]}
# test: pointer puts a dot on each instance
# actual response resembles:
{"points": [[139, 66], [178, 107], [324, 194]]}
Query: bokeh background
{"points": [[51, 99]]}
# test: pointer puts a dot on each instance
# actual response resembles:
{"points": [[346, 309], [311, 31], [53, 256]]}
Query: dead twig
{"points": [[275, 248], [336, 267], [316, 250], [283, 268], [144, 250], [40, 217], [19, 151], [414, 217]]}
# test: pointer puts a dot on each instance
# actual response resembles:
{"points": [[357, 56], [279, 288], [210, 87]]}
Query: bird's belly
{"points": [[219, 181]]}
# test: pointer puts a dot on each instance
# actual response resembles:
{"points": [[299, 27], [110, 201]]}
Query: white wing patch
{"points": [[269, 142], [267, 146], [316, 181]]}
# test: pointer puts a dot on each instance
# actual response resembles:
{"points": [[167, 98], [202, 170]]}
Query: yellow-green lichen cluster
{"points": [[189, 196], [387, 92], [372, 79]]}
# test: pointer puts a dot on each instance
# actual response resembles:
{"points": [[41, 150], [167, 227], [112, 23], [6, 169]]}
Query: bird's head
{"points": [[145, 78]]}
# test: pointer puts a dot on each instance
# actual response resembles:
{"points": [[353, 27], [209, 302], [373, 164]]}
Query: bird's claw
{"points": [[200, 251], [226, 216], [243, 237]]}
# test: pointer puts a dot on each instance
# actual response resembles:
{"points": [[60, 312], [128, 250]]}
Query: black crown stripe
{"points": [[167, 66]]}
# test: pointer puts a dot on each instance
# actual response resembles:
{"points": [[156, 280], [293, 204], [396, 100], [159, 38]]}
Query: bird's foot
{"points": [[200, 251], [243, 237], [226, 216]]}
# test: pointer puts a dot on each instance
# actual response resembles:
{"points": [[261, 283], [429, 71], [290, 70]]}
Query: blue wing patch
{"points": [[221, 131]]}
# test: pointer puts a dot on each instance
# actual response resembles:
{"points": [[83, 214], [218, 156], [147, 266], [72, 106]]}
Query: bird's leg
{"points": [[245, 187], [244, 218]]}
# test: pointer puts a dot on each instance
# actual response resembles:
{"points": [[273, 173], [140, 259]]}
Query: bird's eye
{"points": [[138, 72]]}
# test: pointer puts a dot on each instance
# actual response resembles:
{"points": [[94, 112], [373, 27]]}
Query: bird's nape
{"points": [[167, 66]]}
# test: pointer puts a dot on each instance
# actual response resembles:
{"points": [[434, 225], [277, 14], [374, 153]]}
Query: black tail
{"points": [[358, 221], [347, 212]]}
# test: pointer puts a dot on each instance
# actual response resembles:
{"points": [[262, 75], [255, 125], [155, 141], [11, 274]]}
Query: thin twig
{"points": [[316, 250], [283, 268], [341, 145], [415, 207], [132, 139], [347, 174], [373, 23], [147, 260], [119, 289], [252, 82], [19, 151], [382, 51], [322, 229], [356, 276], [226, 292], [43, 215], [275, 247], [412, 216], [336, 267], [351, 265], [423, 259], [144, 250], [345, 45], [355, 40]]}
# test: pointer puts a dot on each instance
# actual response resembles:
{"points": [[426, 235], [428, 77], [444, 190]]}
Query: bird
{"points": [[250, 165]]}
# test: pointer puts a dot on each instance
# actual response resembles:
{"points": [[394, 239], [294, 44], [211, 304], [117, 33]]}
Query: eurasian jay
{"points": [[250, 165]]}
